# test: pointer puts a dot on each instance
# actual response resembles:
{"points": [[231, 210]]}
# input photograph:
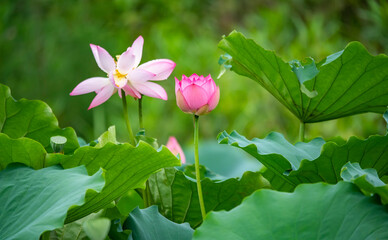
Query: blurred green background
{"points": [[44, 54]]}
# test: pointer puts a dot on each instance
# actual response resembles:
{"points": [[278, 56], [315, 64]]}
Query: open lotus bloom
{"points": [[196, 94], [126, 74], [175, 148]]}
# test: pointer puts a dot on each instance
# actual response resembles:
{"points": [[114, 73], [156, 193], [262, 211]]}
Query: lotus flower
{"points": [[175, 148], [126, 74], [196, 94]]}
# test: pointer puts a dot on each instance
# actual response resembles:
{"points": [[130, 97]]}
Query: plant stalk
{"points": [[126, 118], [301, 131], [146, 196], [197, 173], [141, 125]]}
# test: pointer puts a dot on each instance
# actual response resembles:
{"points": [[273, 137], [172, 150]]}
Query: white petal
{"points": [[161, 67], [140, 75], [126, 62], [103, 58], [102, 96], [90, 85], [151, 89], [137, 49]]}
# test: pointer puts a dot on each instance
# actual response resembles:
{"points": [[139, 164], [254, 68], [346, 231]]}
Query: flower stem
{"points": [[197, 173], [126, 118], [301, 131], [141, 125]]}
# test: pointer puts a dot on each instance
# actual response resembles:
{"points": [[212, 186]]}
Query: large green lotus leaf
{"points": [[222, 159], [177, 197], [315, 165], [313, 211], [26, 151], [21, 150], [366, 179], [35, 201], [32, 119], [346, 83], [148, 224], [126, 167]]}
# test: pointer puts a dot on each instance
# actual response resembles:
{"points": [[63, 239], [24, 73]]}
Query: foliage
{"points": [[32, 119], [34, 201], [287, 167], [224, 160], [97, 229], [125, 170], [345, 83], [366, 179], [147, 224], [175, 192], [21, 150], [313, 211]]}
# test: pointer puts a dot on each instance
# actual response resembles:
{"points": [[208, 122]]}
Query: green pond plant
{"points": [[54, 185]]}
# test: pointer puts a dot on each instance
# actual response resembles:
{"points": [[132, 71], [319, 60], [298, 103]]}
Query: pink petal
{"points": [[213, 101], [150, 89], [140, 75], [119, 92], [177, 85], [131, 91], [209, 87], [161, 67], [102, 96], [103, 58], [175, 148], [137, 50], [186, 82], [181, 102], [193, 77], [90, 85], [195, 96], [126, 62], [200, 80]]}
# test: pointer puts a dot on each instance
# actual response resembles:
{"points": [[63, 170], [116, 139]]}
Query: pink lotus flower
{"points": [[175, 148], [126, 74], [196, 94]]}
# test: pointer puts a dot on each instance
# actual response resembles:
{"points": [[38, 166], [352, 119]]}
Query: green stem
{"points": [[126, 118], [301, 131], [197, 173], [141, 125], [147, 195], [145, 199]]}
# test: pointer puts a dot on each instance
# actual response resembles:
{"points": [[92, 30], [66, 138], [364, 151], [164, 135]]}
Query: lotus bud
{"points": [[196, 94]]}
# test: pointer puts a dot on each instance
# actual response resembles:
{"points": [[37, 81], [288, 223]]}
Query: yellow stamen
{"points": [[119, 79]]}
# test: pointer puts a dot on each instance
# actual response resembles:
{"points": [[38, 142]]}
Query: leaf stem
{"points": [[141, 125], [197, 173], [126, 118], [301, 131], [146, 195]]}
